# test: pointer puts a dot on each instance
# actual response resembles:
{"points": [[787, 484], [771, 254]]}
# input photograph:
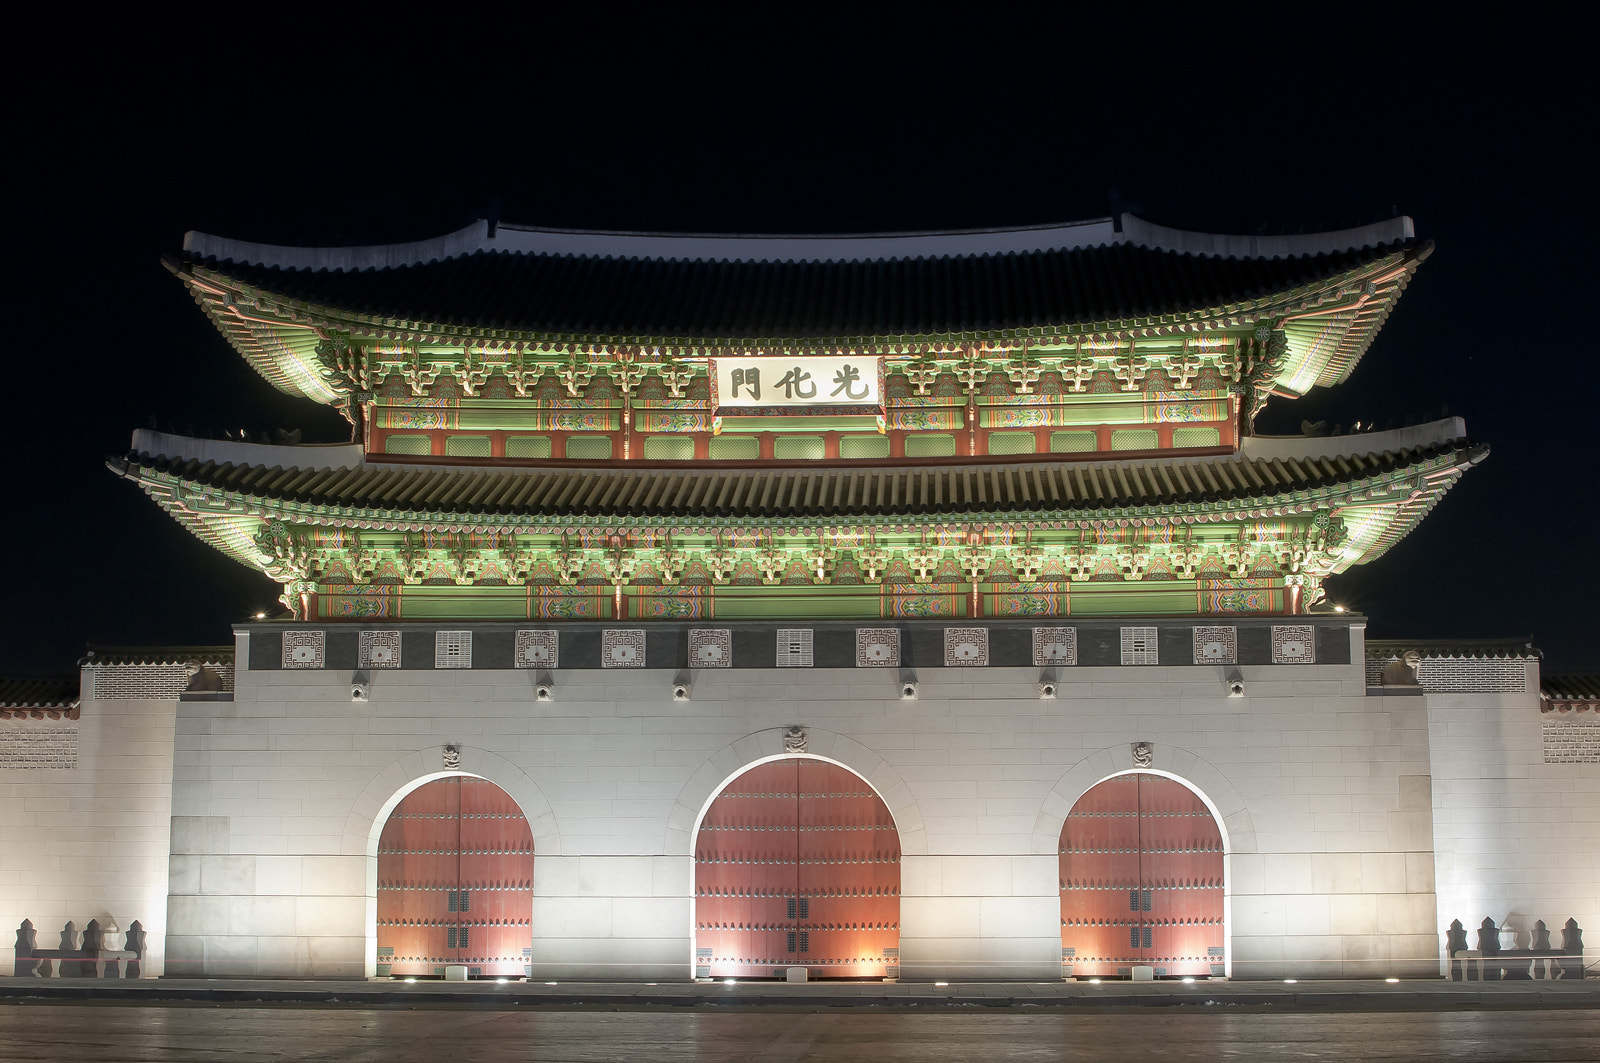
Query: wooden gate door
{"points": [[1141, 881], [797, 864], [455, 882]]}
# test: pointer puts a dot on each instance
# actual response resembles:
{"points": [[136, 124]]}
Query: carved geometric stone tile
{"points": [[1294, 644], [452, 649], [1055, 645], [1216, 645], [536, 649], [794, 647], [1139, 646], [622, 648], [710, 648], [380, 649], [966, 647], [304, 649], [877, 647]]}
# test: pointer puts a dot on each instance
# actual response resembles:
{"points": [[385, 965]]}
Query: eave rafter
{"points": [[1323, 529], [1331, 322]]}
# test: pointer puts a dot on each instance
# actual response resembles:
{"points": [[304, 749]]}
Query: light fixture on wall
{"points": [[1235, 683], [682, 688], [908, 684], [544, 687], [1048, 684], [360, 685]]}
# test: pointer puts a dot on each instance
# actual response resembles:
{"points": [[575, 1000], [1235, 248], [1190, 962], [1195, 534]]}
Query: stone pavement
{"points": [[1434, 994]]}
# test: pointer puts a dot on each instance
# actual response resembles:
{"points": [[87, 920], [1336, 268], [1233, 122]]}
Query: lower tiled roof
{"points": [[52, 697], [1570, 688], [790, 492]]}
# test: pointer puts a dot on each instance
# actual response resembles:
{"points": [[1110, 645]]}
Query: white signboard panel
{"points": [[748, 382]]}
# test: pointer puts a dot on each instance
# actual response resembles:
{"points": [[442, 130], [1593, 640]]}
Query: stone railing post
{"points": [[1489, 946], [25, 963], [1455, 948], [134, 943], [1572, 947]]}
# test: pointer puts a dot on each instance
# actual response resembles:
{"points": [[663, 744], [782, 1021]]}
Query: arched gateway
{"points": [[455, 881], [1141, 881], [797, 864]]}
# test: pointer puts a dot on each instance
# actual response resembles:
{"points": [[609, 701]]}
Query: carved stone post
{"points": [[1455, 943], [23, 967]]}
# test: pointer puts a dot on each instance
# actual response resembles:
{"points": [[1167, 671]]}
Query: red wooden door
{"points": [[797, 863], [455, 882], [1141, 881]]}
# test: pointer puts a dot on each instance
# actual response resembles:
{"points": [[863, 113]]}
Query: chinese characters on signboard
{"points": [[797, 382]]}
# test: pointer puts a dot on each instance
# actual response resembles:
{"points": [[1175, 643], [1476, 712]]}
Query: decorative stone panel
{"points": [[305, 649], [622, 648], [39, 748], [794, 647], [966, 647], [711, 648], [1139, 646], [1571, 741], [452, 649], [380, 649], [1461, 675], [1216, 645], [1294, 644], [537, 649], [1055, 646], [877, 647]]}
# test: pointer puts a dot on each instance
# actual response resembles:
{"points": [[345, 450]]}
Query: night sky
{"points": [[808, 127]]}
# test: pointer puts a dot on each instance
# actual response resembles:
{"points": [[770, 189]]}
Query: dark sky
{"points": [[278, 131]]}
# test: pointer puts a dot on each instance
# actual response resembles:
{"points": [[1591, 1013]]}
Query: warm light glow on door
{"points": [[455, 882], [1141, 881], [797, 864]]}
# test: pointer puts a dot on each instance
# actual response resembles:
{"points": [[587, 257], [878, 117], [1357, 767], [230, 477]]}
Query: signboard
{"points": [[751, 382]]}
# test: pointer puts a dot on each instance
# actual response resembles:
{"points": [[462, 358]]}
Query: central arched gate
{"points": [[455, 882], [797, 864], [1141, 881]]}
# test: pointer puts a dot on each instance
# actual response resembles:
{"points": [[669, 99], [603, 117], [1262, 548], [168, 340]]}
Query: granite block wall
{"points": [[1323, 793], [85, 835], [1517, 838]]}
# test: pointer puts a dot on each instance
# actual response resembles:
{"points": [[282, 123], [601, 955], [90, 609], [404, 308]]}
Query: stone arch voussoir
{"points": [[1232, 815], [386, 789], [759, 746]]}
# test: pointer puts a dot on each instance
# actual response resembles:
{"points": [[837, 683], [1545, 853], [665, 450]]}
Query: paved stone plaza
{"points": [[248, 1034]]}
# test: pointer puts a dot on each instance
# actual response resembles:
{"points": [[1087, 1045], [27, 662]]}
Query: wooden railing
{"points": [[92, 954]]}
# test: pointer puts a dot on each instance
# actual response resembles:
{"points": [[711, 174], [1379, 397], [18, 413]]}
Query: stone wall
{"points": [[84, 819], [1517, 830], [1323, 794]]}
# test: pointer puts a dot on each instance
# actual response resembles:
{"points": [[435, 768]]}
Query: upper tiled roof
{"points": [[630, 285], [1508, 648]]}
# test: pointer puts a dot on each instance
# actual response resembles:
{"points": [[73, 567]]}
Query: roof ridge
{"points": [[820, 248]]}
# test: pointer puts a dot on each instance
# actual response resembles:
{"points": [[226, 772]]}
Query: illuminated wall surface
{"points": [[915, 606]]}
